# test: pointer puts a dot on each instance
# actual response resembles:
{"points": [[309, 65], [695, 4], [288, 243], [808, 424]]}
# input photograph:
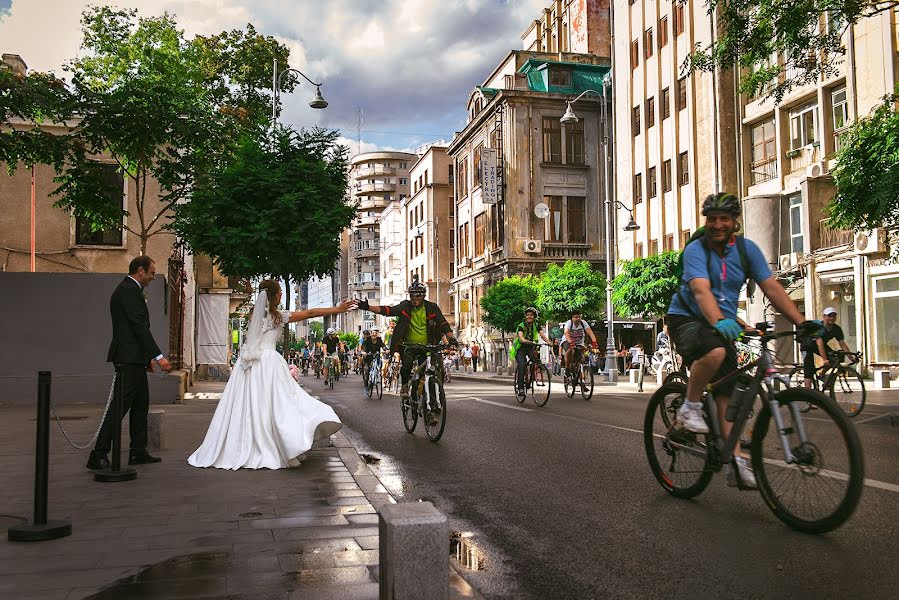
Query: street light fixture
{"points": [[317, 101], [568, 118]]}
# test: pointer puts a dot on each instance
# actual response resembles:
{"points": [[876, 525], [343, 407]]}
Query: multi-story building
{"points": [[393, 254], [516, 113], [376, 180], [429, 215], [576, 26]]}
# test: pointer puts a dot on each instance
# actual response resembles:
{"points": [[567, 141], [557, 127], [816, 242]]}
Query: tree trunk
{"points": [[286, 342]]}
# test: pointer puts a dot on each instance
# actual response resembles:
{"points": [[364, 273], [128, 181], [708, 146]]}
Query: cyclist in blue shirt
{"points": [[702, 317]]}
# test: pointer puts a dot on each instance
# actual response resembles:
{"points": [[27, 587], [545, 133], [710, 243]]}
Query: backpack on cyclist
{"points": [[740, 243]]}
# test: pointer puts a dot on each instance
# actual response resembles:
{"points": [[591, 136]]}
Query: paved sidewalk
{"points": [[181, 532]]}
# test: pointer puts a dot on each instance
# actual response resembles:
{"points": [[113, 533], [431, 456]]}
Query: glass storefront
{"points": [[886, 319]]}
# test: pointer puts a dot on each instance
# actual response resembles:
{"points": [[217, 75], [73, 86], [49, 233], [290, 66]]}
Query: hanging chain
{"points": [[99, 427]]}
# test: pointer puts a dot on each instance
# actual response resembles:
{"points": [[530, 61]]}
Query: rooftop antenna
{"points": [[359, 128]]}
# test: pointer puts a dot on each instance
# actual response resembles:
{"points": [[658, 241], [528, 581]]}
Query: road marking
{"points": [[883, 485], [502, 404], [874, 418], [587, 421]]}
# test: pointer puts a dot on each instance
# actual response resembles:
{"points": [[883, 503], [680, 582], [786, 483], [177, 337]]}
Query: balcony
{"points": [[565, 250], [366, 221], [800, 158], [374, 203], [376, 187], [839, 139], [833, 238], [365, 285], [374, 171], [763, 170], [367, 250]]}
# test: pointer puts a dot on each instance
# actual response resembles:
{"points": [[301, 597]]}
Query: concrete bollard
{"points": [[881, 380], [413, 552], [633, 375], [660, 377], [155, 428], [500, 370]]}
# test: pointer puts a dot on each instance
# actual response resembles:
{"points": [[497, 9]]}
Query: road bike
{"points": [[426, 394], [332, 372], [810, 472], [579, 375], [374, 386], [537, 381], [837, 379]]}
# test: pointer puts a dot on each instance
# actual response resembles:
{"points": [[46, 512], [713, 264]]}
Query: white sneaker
{"points": [[690, 419], [747, 477]]}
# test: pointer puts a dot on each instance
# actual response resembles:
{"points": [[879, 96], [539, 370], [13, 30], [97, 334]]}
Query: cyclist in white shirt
{"points": [[575, 330]]}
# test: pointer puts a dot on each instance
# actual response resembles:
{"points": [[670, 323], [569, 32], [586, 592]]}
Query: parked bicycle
{"points": [[579, 375], [837, 379], [537, 380], [426, 394], [809, 472], [374, 385]]}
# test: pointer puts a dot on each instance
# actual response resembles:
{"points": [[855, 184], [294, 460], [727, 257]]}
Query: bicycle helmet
{"points": [[417, 287], [531, 309], [722, 202], [331, 330]]}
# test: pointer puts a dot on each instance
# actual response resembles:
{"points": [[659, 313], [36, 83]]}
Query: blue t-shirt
{"points": [[727, 279]]}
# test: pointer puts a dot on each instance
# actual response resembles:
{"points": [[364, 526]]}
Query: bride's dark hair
{"points": [[272, 288]]}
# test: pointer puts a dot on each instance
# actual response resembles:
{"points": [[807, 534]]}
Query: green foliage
{"points": [[644, 286], [867, 172], [574, 285], [316, 331], [351, 339], [803, 36], [277, 208], [504, 302]]}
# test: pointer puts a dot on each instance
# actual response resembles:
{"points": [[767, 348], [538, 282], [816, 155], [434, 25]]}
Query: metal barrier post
{"points": [[116, 473]]}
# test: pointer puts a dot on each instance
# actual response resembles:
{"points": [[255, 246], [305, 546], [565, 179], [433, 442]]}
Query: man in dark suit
{"points": [[133, 351]]}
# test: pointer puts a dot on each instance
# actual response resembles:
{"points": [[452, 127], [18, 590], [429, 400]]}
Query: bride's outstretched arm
{"points": [[302, 315]]}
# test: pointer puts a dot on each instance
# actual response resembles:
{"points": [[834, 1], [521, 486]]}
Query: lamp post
{"points": [[569, 117], [317, 101]]}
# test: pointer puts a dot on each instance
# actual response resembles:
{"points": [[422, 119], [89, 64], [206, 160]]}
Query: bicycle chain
{"points": [[65, 433]]}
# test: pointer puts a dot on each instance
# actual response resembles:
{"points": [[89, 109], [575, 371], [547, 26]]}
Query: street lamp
{"points": [[317, 101], [568, 118]]}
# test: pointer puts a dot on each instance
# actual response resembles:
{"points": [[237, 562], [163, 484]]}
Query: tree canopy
{"points": [[351, 339], [505, 301], [644, 286], [574, 285]]}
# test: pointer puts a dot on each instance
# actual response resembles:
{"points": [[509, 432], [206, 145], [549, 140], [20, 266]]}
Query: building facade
{"points": [[393, 254], [575, 26]]}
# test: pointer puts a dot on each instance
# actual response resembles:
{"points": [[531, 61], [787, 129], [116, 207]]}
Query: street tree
{"points": [[867, 172], [505, 301], [573, 286], [316, 331], [769, 39], [275, 208], [351, 339], [644, 286]]}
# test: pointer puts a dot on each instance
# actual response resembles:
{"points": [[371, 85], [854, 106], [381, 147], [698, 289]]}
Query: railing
{"points": [[800, 158], [376, 246], [367, 188], [565, 250], [831, 238], [763, 170], [375, 171], [840, 138]]}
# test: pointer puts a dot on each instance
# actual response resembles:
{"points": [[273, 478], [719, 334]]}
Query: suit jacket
{"points": [[132, 342]]}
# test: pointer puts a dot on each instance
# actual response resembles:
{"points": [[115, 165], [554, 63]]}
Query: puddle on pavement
{"points": [[249, 515], [466, 552], [199, 576], [370, 459]]}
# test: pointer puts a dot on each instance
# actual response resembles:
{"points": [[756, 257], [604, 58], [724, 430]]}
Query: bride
{"points": [[264, 420]]}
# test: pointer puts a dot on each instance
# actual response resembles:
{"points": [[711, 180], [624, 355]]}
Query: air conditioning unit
{"points": [[533, 246], [464, 261], [869, 242], [790, 261], [816, 170]]}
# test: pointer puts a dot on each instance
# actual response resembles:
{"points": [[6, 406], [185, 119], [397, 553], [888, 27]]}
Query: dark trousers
{"points": [[132, 384], [521, 359], [474, 362]]}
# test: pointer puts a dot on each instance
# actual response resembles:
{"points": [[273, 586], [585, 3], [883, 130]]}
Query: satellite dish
{"points": [[541, 210]]}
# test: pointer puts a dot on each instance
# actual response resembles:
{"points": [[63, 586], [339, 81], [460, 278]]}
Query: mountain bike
{"points": [[317, 366], [537, 381], [374, 386], [392, 377], [426, 394], [810, 472], [579, 375], [837, 379]]}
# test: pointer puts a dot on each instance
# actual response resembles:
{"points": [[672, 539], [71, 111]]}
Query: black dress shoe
{"points": [[97, 462], [143, 459]]}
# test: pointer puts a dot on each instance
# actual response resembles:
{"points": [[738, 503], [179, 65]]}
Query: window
{"points": [[114, 184], [638, 250], [463, 240], [497, 226], [452, 269], [669, 242], [666, 104], [635, 54], [449, 173], [840, 109], [452, 207], [886, 319], [496, 137], [404, 181], [638, 188], [452, 239], [685, 237], [559, 76], [462, 177], [678, 19], [653, 247], [480, 233], [651, 181], [796, 242], [426, 177], [683, 168], [553, 231], [577, 220], [666, 176], [636, 121], [682, 93], [552, 140], [574, 143], [476, 167], [650, 113], [764, 160], [648, 46], [663, 32], [803, 127]]}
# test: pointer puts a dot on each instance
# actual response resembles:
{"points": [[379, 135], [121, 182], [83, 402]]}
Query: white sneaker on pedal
{"points": [[747, 477], [690, 419]]}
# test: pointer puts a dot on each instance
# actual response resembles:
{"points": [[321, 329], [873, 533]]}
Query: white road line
{"points": [[874, 418], [883, 485], [502, 404]]}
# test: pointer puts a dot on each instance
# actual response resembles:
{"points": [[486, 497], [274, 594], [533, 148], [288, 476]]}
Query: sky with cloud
{"points": [[409, 64]]}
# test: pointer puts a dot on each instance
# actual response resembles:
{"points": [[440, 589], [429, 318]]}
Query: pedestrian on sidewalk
{"points": [[133, 350], [466, 356], [475, 355]]}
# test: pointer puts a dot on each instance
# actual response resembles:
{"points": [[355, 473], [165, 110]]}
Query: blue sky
{"points": [[409, 65]]}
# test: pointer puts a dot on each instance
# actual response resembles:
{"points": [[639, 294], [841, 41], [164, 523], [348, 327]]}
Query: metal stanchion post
{"points": [[41, 529], [116, 473]]}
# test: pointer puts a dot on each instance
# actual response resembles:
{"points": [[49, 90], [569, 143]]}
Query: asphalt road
{"points": [[560, 503]]}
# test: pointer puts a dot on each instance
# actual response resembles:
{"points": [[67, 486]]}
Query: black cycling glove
{"points": [[363, 304]]}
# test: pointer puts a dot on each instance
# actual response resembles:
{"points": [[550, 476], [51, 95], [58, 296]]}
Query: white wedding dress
{"points": [[264, 420]]}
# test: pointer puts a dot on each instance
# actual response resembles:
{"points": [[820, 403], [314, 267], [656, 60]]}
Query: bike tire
{"points": [[569, 384], [541, 385], [842, 391], [675, 377], [369, 389], [522, 392], [664, 458], [409, 408], [586, 380], [797, 380], [435, 391], [833, 427]]}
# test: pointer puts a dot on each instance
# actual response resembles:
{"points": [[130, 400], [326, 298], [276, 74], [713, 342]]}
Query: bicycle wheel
{"points": [[435, 412], [379, 386], [409, 407], [818, 491], [680, 460], [521, 392], [848, 390], [586, 378], [675, 377], [540, 385], [569, 382], [797, 380]]}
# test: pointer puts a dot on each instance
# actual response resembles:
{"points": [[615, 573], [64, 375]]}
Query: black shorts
{"points": [[693, 339]]}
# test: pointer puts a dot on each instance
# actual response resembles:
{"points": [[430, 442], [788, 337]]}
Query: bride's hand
{"points": [[346, 305]]}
